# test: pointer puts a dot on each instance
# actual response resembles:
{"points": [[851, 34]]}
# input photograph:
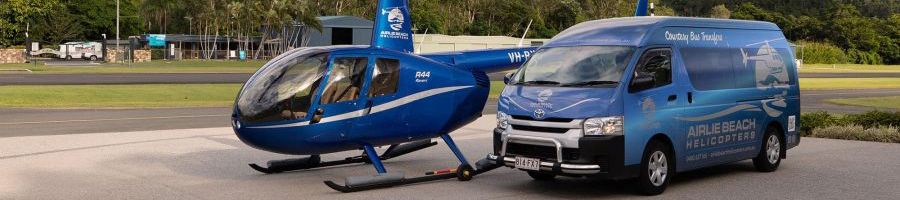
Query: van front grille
{"points": [[529, 118], [539, 129]]}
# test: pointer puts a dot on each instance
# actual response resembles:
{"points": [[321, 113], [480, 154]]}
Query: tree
{"points": [[663, 11], [57, 27], [96, 17], [16, 14], [720, 12]]}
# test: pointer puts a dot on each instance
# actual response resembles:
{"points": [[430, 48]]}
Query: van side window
{"points": [[385, 77], [657, 65], [735, 68], [710, 68], [345, 80], [762, 67]]}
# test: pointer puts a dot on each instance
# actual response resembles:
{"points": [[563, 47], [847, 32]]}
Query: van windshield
{"points": [[578, 66]]}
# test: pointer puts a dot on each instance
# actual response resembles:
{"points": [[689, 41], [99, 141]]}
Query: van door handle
{"points": [[673, 97]]}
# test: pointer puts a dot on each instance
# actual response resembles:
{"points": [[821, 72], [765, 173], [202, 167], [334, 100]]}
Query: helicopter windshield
{"points": [[283, 88]]}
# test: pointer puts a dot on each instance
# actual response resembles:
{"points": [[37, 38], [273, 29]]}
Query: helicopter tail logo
{"points": [[393, 29]]}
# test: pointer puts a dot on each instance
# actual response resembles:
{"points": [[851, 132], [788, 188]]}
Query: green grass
{"points": [[848, 83], [496, 89], [849, 68], [157, 66], [875, 102], [118, 96]]}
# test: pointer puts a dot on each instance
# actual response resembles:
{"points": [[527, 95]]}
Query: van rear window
{"points": [[730, 68]]}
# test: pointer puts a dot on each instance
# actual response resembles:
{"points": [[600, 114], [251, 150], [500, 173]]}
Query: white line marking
{"points": [[117, 119], [820, 94]]}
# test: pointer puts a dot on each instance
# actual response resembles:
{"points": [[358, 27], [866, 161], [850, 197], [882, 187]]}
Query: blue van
{"points": [[647, 97]]}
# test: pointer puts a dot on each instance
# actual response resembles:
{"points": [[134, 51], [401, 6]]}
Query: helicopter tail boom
{"points": [[491, 60]]}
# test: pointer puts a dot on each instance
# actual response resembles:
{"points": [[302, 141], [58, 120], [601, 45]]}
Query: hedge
{"points": [[877, 126]]}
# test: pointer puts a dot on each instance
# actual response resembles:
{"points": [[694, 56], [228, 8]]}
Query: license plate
{"points": [[528, 163]]}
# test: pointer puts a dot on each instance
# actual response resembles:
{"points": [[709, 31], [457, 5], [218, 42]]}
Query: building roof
{"points": [[468, 39], [345, 22]]}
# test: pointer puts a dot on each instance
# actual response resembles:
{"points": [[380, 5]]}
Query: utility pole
{"points": [[117, 30]]}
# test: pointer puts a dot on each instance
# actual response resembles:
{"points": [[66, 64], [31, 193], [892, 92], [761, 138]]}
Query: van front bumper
{"points": [[600, 156]]}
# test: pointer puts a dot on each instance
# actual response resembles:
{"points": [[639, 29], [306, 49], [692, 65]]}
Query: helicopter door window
{"points": [[345, 80], [385, 77]]}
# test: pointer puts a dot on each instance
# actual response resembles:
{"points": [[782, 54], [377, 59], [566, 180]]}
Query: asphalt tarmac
{"points": [[123, 78], [210, 163]]}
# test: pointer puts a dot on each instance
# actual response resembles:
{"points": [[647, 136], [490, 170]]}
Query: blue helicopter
{"points": [[319, 100]]}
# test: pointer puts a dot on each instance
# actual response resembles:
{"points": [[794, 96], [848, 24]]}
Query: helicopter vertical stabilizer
{"points": [[393, 26], [642, 8]]}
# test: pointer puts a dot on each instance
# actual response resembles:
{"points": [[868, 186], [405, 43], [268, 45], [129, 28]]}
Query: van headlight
{"points": [[604, 126], [502, 120]]}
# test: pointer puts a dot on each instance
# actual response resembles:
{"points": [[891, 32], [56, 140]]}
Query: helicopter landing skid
{"points": [[315, 161], [383, 179]]}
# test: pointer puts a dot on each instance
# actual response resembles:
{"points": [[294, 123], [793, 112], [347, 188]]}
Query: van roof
{"points": [[630, 31]]}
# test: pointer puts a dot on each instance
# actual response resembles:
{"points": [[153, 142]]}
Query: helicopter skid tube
{"points": [[278, 166], [361, 183], [315, 161]]}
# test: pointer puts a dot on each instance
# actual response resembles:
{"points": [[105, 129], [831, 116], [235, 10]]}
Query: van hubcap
{"points": [[773, 149], [658, 168]]}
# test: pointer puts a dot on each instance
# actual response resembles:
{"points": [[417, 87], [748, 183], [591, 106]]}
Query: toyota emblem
{"points": [[539, 113]]}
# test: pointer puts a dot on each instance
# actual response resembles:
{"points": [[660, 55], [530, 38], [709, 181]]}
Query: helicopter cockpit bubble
{"points": [[283, 89]]}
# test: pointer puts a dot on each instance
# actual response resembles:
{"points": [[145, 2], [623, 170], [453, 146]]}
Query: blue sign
{"points": [[156, 40]]}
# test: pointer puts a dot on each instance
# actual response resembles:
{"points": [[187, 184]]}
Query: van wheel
{"points": [[656, 169], [770, 155], [93, 58], [541, 176], [68, 57]]}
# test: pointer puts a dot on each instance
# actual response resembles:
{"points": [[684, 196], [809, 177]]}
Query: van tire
{"points": [[769, 156], [660, 169], [68, 57], [541, 176], [93, 58]]}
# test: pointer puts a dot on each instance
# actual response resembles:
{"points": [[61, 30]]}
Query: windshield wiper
{"points": [[539, 82], [589, 83]]}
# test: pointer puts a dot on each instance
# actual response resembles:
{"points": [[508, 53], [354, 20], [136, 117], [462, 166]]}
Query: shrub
{"points": [[811, 121], [856, 132], [822, 53], [863, 57], [874, 119], [157, 54]]}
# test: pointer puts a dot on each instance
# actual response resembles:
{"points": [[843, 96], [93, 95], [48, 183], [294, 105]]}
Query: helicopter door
{"points": [[339, 103], [380, 108]]}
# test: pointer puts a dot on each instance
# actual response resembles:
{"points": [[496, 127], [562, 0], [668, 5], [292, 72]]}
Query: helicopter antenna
{"points": [[524, 34], [422, 42]]}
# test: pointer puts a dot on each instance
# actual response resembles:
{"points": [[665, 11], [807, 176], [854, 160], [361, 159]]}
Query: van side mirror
{"points": [[641, 82], [508, 77]]}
